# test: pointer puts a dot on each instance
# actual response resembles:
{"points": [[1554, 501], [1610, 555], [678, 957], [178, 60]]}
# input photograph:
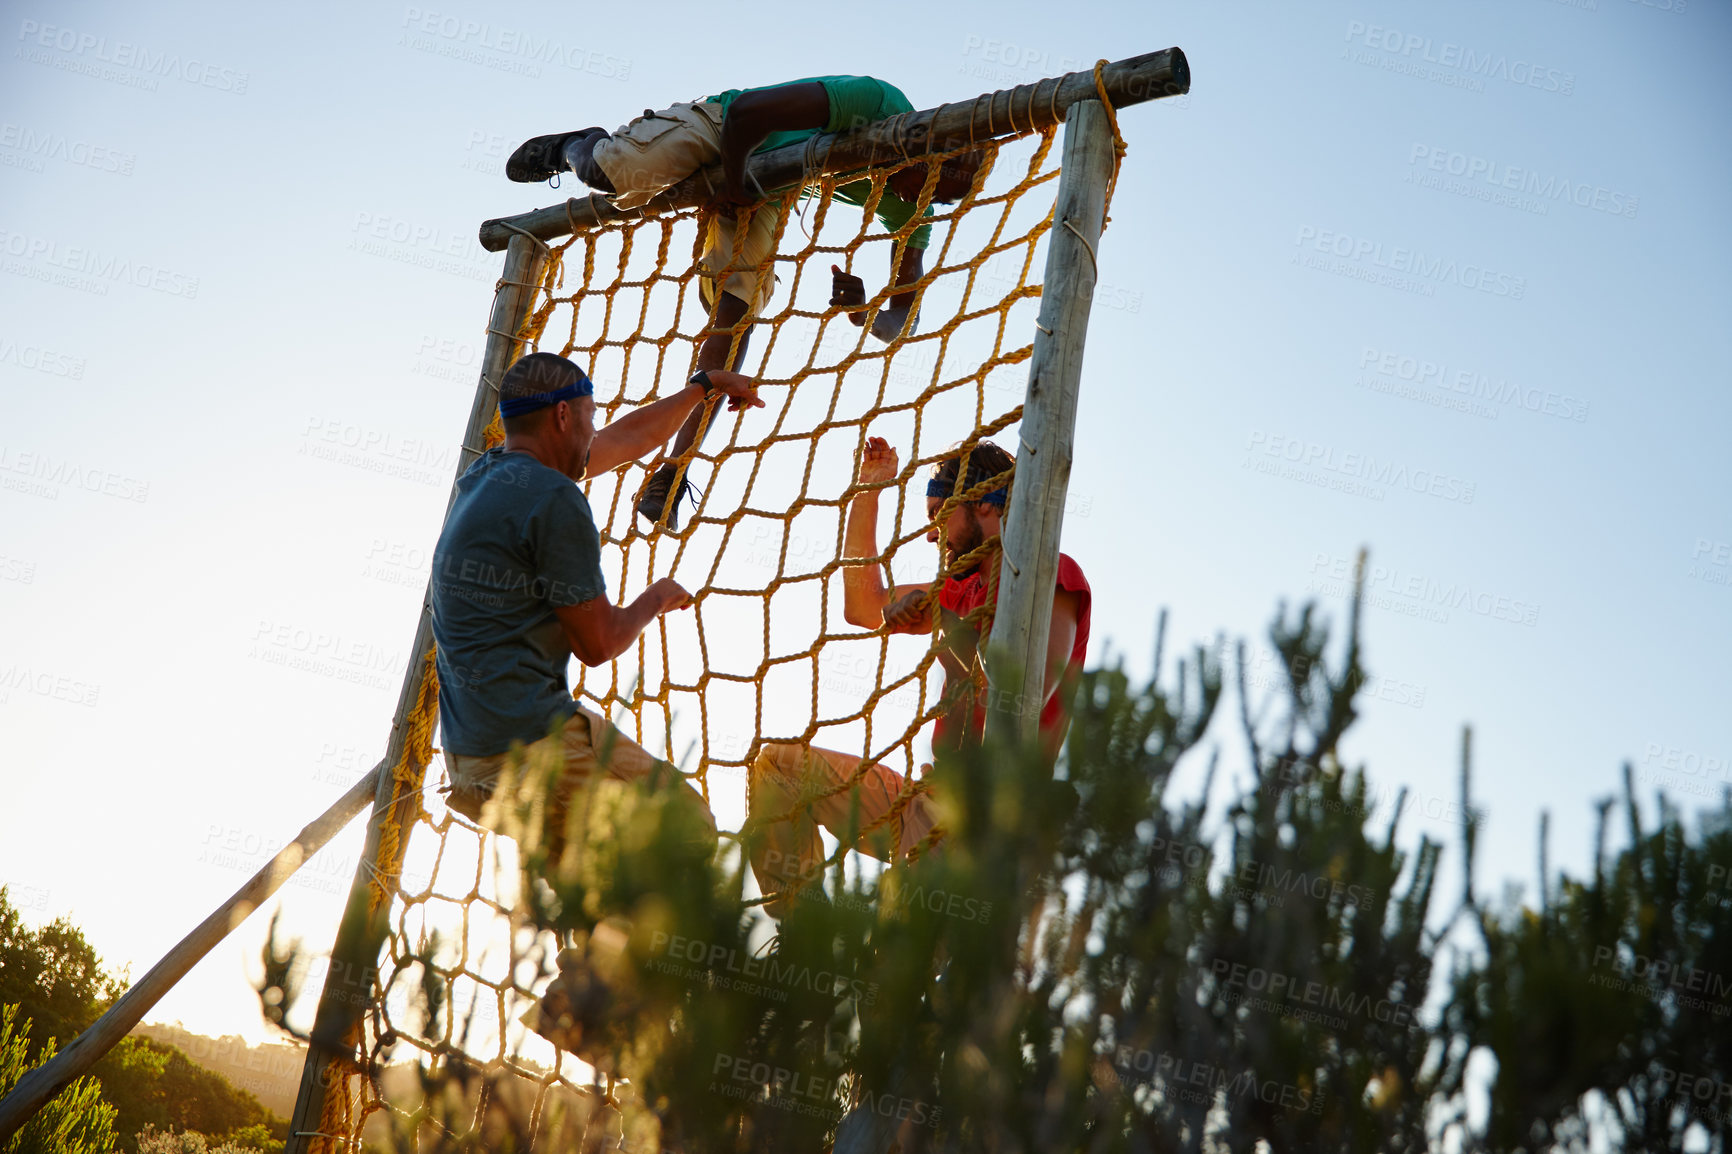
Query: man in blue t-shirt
{"points": [[518, 589], [659, 149]]}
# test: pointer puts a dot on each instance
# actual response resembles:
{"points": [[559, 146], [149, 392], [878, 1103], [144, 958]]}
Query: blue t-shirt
{"points": [[519, 542]]}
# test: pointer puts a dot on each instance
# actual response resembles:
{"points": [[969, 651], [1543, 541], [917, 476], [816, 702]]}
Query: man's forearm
{"points": [[625, 623], [641, 431], [863, 592], [887, 325]]}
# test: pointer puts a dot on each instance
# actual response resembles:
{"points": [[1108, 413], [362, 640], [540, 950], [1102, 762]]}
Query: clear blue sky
{"points": [[1448, 282]]}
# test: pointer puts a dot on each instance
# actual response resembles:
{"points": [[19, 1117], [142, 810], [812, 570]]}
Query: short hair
{"points": [[984, 461], [532, 374]]}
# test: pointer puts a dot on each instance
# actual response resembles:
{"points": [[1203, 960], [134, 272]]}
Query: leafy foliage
{"points": [[1098, 959], [54, 976], [76, 1121]]}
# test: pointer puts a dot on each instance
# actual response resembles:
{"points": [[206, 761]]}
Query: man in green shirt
{"points": [[660, 149]]}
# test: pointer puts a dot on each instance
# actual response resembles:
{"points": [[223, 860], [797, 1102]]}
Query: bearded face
{"points": [[963, 532]]}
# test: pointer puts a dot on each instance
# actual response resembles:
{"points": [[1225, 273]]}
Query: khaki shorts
{"points": [[658, 150], [787, 776], [590, 745]]}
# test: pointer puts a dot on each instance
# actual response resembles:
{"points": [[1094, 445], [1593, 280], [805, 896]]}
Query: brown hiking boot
{"points": [[654, 497]]}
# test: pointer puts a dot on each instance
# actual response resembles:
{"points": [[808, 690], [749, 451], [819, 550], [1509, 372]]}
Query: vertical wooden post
{"points": [[350, 982], [1016, 652], [1016, 649]]}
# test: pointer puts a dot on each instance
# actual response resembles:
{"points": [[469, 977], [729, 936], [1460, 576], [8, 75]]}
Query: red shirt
{"points": [[961, 595]]}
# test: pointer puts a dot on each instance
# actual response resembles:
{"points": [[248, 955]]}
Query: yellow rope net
{"points": [[763, 654]]}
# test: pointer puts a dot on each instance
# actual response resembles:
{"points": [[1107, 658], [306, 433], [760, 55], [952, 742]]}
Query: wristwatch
{"points": [[702, 377]]}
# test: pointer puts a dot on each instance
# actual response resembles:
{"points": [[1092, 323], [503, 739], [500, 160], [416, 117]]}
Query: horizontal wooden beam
{"points": [[39, 1085], [1042, 104]]}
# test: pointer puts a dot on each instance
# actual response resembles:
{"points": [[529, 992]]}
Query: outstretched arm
{"points": [[647, 427], [867, 601], [753, 116], [597, 630], [848, 290]]}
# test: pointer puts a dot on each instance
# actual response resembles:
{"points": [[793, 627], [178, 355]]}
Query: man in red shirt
{"points": [[788, 855]]}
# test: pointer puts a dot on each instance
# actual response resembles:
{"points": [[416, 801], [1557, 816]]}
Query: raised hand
{"points": [[877, 462], [847, 291]]}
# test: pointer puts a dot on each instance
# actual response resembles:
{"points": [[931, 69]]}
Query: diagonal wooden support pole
{"points": [[1017, 646], [35, 1089], [350, 980]]}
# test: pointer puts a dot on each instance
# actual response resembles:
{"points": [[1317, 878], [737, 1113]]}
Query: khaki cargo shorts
{"points": [[592, 748], [790, 777], [657, 151]]}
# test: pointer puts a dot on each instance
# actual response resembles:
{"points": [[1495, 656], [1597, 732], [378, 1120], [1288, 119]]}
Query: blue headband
{"points": [[942, 489], [518, 406]]}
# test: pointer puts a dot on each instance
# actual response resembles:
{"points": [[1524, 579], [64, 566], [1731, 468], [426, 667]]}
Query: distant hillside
{"points": [[271, 1072]]}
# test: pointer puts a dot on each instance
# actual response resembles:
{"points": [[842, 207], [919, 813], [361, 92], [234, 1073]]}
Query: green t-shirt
{"points": [[855, 101]]}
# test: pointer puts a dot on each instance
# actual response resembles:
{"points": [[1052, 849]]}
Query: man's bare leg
{"points": [[712, 354]]}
